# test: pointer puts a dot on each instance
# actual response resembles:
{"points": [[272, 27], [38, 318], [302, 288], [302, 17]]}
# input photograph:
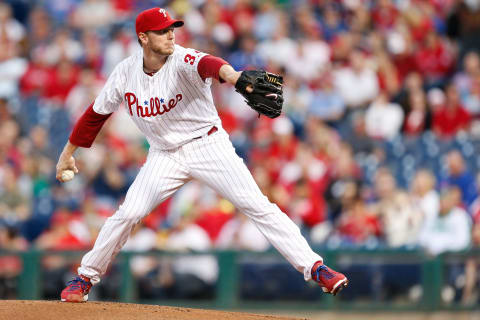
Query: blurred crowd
{"points": [[378, 145]]}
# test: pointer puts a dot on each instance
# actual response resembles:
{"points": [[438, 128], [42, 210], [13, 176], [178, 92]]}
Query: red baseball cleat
{"points": [[330, 281], [76, 290]]}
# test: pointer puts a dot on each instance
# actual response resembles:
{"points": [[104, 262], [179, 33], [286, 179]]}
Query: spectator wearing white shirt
{"points": [[83, 93], [240, 233], [451, 231], [13, 30], [402, 221], [142, 239], [63, 46], [426, 197], [313, 53], [280, 50], [91, 14], [357, 84], [121, 46], [383, 119], [194, 275], [12, 68]]}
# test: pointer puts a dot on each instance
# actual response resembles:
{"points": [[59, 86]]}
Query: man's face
{"points": [[455, 163], [160, 41]]}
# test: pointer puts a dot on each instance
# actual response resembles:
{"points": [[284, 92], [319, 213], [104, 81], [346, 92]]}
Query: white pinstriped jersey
{"points": [[171, 107]]}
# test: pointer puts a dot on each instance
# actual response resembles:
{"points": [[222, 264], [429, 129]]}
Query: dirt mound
{"points": [[56, 310]]}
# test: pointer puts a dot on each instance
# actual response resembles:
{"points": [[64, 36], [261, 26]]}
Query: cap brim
{"points": [[178, 23], [168, 24]]}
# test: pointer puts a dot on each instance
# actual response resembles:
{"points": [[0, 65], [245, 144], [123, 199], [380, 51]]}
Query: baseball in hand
{"points": [[67, 175]]}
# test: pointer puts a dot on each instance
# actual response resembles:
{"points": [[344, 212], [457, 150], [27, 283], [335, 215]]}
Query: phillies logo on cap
{"points": [[155, 19]]}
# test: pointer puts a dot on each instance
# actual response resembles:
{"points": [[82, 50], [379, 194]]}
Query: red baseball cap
{"points": [[155, 19]]}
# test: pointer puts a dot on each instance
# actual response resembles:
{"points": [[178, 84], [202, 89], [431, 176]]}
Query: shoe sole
{"points": [[76, 299], [337, 287]]}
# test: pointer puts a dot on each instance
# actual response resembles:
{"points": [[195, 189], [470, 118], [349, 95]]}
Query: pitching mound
{"points": [[48, 310]]}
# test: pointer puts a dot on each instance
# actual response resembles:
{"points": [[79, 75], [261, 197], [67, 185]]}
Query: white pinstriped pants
{"points": [[212, 160]]}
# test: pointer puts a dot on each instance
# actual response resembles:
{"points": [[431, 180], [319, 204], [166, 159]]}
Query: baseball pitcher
{"points": [[166, 91]]}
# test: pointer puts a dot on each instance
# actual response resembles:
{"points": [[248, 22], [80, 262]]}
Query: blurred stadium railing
{"points": [[419, 281]]}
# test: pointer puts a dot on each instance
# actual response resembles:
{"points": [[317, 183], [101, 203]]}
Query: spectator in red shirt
{"points": [[384, 15], [420, 19], [357, 224], [61, 81], [452, 117], [67, 231], [35, 79], [307, 204], [388, 75], [281, 149], [212, 219], [434, 60]]}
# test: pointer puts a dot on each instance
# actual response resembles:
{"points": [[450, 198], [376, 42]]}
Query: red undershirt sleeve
{"points": [[209, 67], [87, 127]]}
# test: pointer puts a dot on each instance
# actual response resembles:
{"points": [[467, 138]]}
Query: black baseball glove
{"points": [[267, 95]]}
